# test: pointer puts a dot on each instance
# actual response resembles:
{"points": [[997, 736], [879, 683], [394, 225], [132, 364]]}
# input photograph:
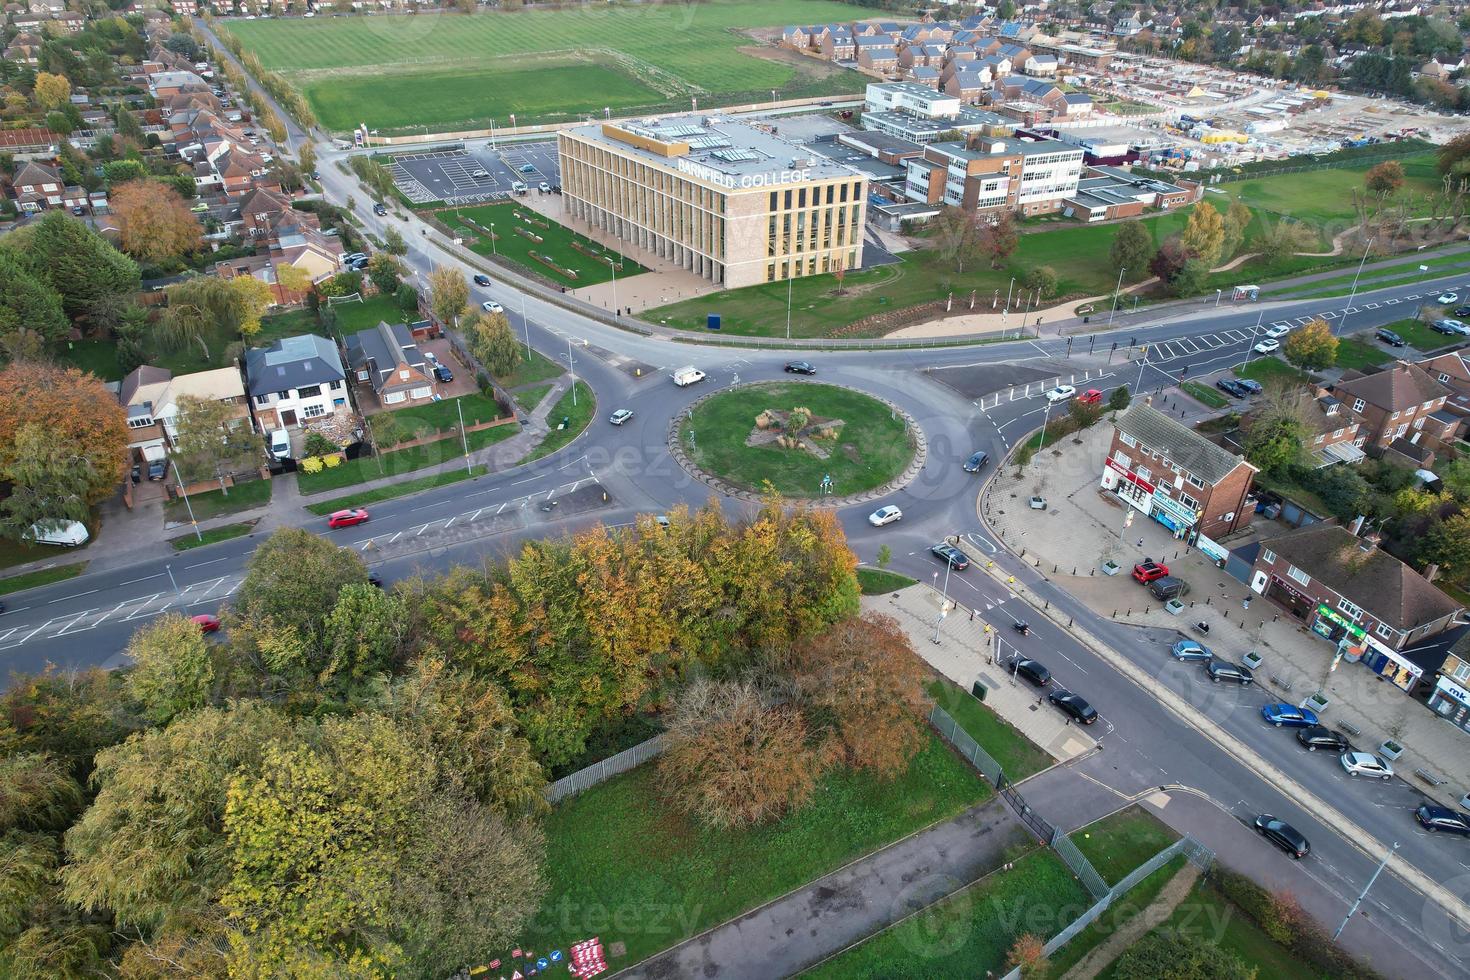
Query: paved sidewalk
{"points": [[794, 932]]}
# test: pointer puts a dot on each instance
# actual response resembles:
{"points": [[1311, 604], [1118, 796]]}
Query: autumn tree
{"points": [[449, 294], [999, 238], [173, 670], [153, 221], [202, 309], [384, 270], [81, 265], [1278, 430], [1235, 222], [63, 438], [1043, 279], [393, 242], [1204, 233], [735, 756], [1312, 347], [1131, 249], [307, 156], [365, 635], [956, 236], [1028, 955], [490, 340], [1170, 259], [52, 91], [292, 278], [1385, 178], [1283, 239], [213, 441]]}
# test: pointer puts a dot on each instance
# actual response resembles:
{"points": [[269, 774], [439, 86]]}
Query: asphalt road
{"points": [[965, 398]]}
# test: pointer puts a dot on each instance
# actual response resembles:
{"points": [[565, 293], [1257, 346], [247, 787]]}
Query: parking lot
{"points": [[477, 172]]}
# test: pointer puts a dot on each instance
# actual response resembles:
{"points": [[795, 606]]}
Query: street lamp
{"points": [[512, 124], [1364, 893], [1342, 324], [493, 249], [1115, 295], [616, 308], [1218, 293], [572, 369], [790, 280], [187, 506], [526, 327]]}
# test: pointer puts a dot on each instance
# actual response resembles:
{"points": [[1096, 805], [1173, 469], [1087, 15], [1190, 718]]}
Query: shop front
{"points": [[1358, 646], [1133, 490], [1297, 603], [1178, 518], [1452, 703]]}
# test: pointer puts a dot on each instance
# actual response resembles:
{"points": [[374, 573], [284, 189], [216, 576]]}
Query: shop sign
{"points": [[1453, 690], [1213, 549], [1181, 514], [1345, 623], [1135, 480]]}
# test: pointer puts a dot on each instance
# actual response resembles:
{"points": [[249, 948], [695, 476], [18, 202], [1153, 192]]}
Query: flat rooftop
{"points": [[1130, 135], [733, 152]]}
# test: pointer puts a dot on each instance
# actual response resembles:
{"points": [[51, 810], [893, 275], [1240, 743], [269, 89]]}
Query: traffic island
{"points": [[800, 439]]}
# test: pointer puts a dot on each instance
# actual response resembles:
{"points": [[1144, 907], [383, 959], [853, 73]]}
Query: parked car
{"points": [[1445, 299], [1366, 763], [976, 461], [1317, 737], [347, 518], [954, 556], [1090, 397], [1231, 387], [1146, 571], [1190, 650], [1037, 503], [481, 280], [1276, 331], [490, 306], [206, 623], [620, 416], [544, 187], [442, 374], [527, 168], [479, 174], [1267, 347], [1251, 387], [1283, 835], [1288, 716], [1033, 670], [1060, 393], [1074, 705], [885, 515], [1436, 818], [279, 444], [1167, 588], [1223, 670], [1450, 327], [800, 367], [1462, 311], [1389, 337]]}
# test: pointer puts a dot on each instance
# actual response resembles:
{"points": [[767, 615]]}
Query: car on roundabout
{"points": [[800, 367], [885, 515], [620, 416], [951, 555], [976, 461]]}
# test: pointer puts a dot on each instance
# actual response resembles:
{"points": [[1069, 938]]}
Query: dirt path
{"points": [[1174, 892]]}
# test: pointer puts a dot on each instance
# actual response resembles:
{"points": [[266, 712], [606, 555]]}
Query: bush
{"points": [[1281, 917], [319, 445], [1119, 399]]}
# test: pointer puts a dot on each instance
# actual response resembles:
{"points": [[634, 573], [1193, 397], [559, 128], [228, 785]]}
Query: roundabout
{"points": [[802, 439]]}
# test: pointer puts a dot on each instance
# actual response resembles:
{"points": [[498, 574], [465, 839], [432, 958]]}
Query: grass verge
{"points": [[880, 581], [1266, 368], [1118, 915], [1204, 395], [537, 367], [217, 503], [577, 417], [1416, 334], [1358, 354], [1118, 843], [617, 849], [188, 542], [400, 461], [41, 576], [529, 398], [379, 494], [1018, 755]]}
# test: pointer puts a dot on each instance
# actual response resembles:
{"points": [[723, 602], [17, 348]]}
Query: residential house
{"points": [[260, 210], [840, 45], [1040, 65], [1168, 471], [37, 186], [70, 22], [295, 380], [47, 7], [877, 54], [970, 86], [926, 76], [151, 397], [1397, 402], [386, 359], [1452, 369], [1350, 592]]}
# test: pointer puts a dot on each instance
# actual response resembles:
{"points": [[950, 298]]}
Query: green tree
{"points": [[956, 235], [1285, 238], [1132, 248], [52, 91], [1191, 278], [51, 484], [213, 441], [393, 242], [1167, 954], [1446, 543], [1313, 347], [173, 672], [365, 634], [292, 582], [28, 305], [1043, 279], [1237, 219], [384, 270], [37, 793], [1279, 428], [120, 171], [77, 262], [1119, 399], [1204, 233], [490, 340]]}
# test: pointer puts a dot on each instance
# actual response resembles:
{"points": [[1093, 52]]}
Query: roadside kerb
{"points": [[1359, 838]]}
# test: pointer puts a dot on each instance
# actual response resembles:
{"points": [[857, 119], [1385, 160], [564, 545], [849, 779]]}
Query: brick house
{"points": [[387, 360], [294, 380], [1452, 370], [37, 187], [1352, 593], [1398, 402], [1169, 472]]}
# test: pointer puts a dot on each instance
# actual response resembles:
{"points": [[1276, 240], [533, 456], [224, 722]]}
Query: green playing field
{"points": [[444, 70]]}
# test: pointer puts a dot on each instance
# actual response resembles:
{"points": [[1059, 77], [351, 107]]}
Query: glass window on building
{"points": [[842, 196]]}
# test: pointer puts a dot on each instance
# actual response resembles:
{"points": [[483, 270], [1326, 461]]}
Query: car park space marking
{"points": [[1234, 336], [1373, 306], [1188, 346], [1394, 302], [1280, 323]]}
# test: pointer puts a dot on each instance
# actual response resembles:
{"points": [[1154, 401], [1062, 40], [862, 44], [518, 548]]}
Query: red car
{"points": [[1146, 572], [347, 518], [206, 623], [1090, 397]]}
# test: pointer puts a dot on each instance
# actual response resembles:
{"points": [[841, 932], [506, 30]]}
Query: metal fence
{"points": [[1192, 849], [1077, 861], [965, 745], [584, 779]]}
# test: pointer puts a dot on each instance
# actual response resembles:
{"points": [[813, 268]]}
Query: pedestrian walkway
{"points": [[1174, 892]]}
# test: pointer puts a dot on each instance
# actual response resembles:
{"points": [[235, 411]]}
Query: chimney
{"points": [[1370, 541]]}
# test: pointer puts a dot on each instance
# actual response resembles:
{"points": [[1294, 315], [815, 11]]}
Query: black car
{"points": [[1436, 818], [800, 367], [1224, 670], [1074, 705], [1315, 737], [482, 280], [379, 210], [1389, 337], [1032, 670], [975, 462], [1231, 387], [442, 373], [1283, 835], [951, 554], [1462, 311], [1251, 387]]}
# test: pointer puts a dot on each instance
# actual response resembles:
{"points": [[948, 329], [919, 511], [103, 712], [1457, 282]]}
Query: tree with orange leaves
{"points": [[63, 443], [155, 223]]}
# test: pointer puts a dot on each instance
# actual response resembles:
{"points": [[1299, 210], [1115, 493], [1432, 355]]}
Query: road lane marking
{"points": [[77, 595]]}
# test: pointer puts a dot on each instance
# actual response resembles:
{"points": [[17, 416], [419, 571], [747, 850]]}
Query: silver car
{"points": [[885, 515], [1366, 764], [1189, 651]]}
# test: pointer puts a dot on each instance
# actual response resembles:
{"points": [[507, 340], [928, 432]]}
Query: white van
{"points": [[68, 534], [280, 444]]}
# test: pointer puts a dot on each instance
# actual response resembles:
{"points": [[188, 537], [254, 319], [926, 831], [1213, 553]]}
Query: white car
{"points": [[544, 187], [1267, 347], [479, 174], [490, 306], [884, 515], [1366, 764], [1444, 299], [620, 416], [1276, 330], [1060, 393]]}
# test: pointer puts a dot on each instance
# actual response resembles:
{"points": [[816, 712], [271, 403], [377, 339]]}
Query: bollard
{"points": [[1091, 571], [1074, 569], [1207, 599], [1053, 568], [1146, 609], [1115, 614], [1048, 604], [1069, 622], [1023, 552]]}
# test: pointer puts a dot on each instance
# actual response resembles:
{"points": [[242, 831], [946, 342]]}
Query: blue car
{"points": [[1289, 716]]}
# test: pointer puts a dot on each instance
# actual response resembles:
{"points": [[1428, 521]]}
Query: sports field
{"points": [[565, 256], [447, 70]]}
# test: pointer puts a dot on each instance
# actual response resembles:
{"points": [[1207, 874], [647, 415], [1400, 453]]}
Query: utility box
{"points": [[978, 689], [712, 321]]}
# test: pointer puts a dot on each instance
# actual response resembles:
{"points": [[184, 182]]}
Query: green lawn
{"points": [[282, 325], [1018, 755], [394, 491], [880, 581], [225, 532], [1373, 278], [1324, 195], [41, 576], [399, 461], [1416, 334], [513, 223], [1204, 394], [1119, 843], [1361, 354], [97, 356], [216, 503], [968, 934], [614, 850], [442, 416], [1264, 369], [451, 72], [577, 417], [352, 317], [872, 447], [538, 368], [529, 398]]}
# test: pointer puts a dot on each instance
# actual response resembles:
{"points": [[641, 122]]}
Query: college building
{"points": [[728, 200], [1025, 176]]}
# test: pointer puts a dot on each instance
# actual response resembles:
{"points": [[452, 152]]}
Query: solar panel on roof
{"points": [[735, 155], [708, 142]]}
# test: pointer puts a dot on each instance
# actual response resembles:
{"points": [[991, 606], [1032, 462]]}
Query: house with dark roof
{"points": [[37, 186], [1396, 402], [1161, 467], [1452, 369], [294, 380], [1350, 592], [387, 360]]}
